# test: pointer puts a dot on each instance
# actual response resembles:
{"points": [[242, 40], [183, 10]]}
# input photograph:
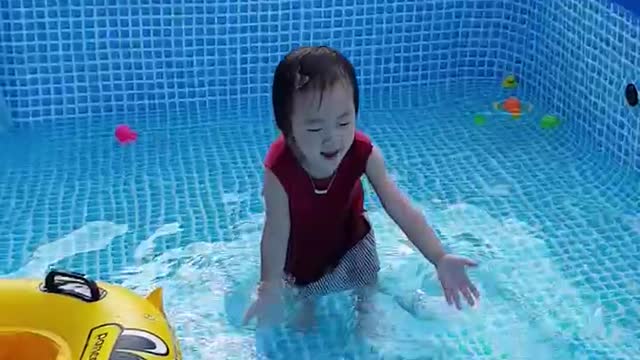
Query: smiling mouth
{"points": [[330, 155]]}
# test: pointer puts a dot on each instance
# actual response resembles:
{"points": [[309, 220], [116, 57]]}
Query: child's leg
{"points": [[357, 270], [364, 297], [366, 313], [365, 272], [303, 305], [305, 315]]}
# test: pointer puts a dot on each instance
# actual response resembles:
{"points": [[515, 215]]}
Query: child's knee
{"points": [[305, 314], [364, 298]]}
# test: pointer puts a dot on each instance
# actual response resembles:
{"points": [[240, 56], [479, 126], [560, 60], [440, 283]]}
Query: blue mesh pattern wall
{"points": [[582, 55], [7, 67], [76, 58], [67, 59]]}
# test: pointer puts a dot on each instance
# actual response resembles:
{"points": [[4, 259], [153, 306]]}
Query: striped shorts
{"points": [[358, 268]]}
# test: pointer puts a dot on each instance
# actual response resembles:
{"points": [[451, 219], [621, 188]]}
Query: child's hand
{"points": [[267, 307], [452, 276]]}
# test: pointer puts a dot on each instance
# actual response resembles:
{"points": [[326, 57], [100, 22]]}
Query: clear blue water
{"points": [[556, 230]]}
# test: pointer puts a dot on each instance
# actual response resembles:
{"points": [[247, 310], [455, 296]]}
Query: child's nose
{"points": [[329, 136]]}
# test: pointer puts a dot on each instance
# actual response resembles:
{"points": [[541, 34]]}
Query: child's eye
{"points": [[345, 124], [314, 130]]}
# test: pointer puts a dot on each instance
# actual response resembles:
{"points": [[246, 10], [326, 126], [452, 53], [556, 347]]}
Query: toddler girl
{"points": [[316, 237]]}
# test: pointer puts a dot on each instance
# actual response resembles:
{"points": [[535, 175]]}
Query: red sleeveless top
{"points": [[323, 227]]}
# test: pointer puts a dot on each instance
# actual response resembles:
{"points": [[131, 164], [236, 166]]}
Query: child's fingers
{"points": [[474, 290], [469, 262], [467, 295], [456, 299], [448, 295], [251, 312]]}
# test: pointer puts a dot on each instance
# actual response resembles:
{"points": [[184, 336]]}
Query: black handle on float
{"points": [[58, 282]]}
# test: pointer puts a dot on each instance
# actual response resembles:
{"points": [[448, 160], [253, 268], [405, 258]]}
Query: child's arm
{"points": [[396, 204], [275, 234], [273, 246], [450, 268]]}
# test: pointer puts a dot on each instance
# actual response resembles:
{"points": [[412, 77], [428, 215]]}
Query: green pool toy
{"points": [[479, 120], [549, 122]]}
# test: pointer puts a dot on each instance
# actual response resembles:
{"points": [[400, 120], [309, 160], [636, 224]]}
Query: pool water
{"points": [[556, 231]]}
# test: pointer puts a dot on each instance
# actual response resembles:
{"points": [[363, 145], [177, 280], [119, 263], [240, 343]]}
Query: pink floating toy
{"points": [[125, 135]]}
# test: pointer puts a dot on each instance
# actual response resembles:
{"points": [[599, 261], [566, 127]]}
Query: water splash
{"points": [[523, 292], [523, 271], [93, 236], [145, 248]]}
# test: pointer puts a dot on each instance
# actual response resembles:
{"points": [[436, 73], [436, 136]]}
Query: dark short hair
{"points": [[309, 67]]}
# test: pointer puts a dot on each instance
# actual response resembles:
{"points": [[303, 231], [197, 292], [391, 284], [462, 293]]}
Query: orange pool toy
{"points": [[511, 105]]}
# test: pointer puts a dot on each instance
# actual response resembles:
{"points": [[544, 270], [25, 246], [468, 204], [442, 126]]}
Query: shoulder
{"points": [[358, 155], [375, 162], [275, 153], [273, 190], [280, 164], [362, 144], [362, 139]]}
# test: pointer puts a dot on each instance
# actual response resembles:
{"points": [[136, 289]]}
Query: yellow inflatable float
{"points": [[70, 317]]}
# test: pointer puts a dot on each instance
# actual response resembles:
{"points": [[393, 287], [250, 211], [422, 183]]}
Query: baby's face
{"points": [[323, 126]]}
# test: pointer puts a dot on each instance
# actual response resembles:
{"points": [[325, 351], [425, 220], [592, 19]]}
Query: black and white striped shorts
{"points": [[358, 268]]}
